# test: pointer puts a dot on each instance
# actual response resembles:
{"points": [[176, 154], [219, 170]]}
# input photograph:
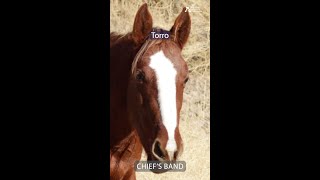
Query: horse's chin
{"points": [[158, 171], [153, 158]]}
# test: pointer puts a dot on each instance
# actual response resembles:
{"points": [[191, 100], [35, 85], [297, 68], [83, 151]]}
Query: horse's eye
{"points": [[186, 80], [140, 76]]}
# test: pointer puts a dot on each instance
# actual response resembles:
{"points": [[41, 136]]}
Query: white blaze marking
{"points": [[166, 82]]}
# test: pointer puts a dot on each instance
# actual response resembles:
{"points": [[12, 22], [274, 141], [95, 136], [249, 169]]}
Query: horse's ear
{"points": [[142, 24], [181, 29]]}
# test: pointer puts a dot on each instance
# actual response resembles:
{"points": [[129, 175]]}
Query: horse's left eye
{"points": [[140, 76]]}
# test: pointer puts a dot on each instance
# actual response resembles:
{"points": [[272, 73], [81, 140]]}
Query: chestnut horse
{"points": [[147, 79]]}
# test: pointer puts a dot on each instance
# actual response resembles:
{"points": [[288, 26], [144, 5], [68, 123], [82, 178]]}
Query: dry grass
{"points": [[195, 115]]}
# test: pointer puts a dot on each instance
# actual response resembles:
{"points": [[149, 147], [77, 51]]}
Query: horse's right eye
{"points": [[186, 80], [140, 76]]}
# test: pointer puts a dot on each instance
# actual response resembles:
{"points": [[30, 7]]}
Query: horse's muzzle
{"points": [[162, 154]]}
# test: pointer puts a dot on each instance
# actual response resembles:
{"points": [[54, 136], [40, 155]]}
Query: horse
{"points": [[147, 80]]}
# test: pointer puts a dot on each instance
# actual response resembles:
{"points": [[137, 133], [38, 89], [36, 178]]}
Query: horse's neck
{"points": [[123, 156], [121, 57], [126, 145]]}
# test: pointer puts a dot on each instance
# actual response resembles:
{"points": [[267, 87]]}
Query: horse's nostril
{"points": [[175, 156], [157, 150]]}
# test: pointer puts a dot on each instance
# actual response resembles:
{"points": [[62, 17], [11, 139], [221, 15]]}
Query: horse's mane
{"points": [[148, 43], [115, 37]]}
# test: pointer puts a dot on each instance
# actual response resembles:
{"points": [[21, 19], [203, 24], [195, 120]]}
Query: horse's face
{"points": [[155, 92], [159, 79]]}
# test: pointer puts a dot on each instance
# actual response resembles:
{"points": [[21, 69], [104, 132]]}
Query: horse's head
{"points": [[156, 84]]}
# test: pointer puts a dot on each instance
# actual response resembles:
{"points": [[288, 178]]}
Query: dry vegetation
{"points": [[195, 115]]}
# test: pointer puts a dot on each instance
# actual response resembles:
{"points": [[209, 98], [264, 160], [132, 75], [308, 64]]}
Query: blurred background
{"points": [[195, 113]]}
